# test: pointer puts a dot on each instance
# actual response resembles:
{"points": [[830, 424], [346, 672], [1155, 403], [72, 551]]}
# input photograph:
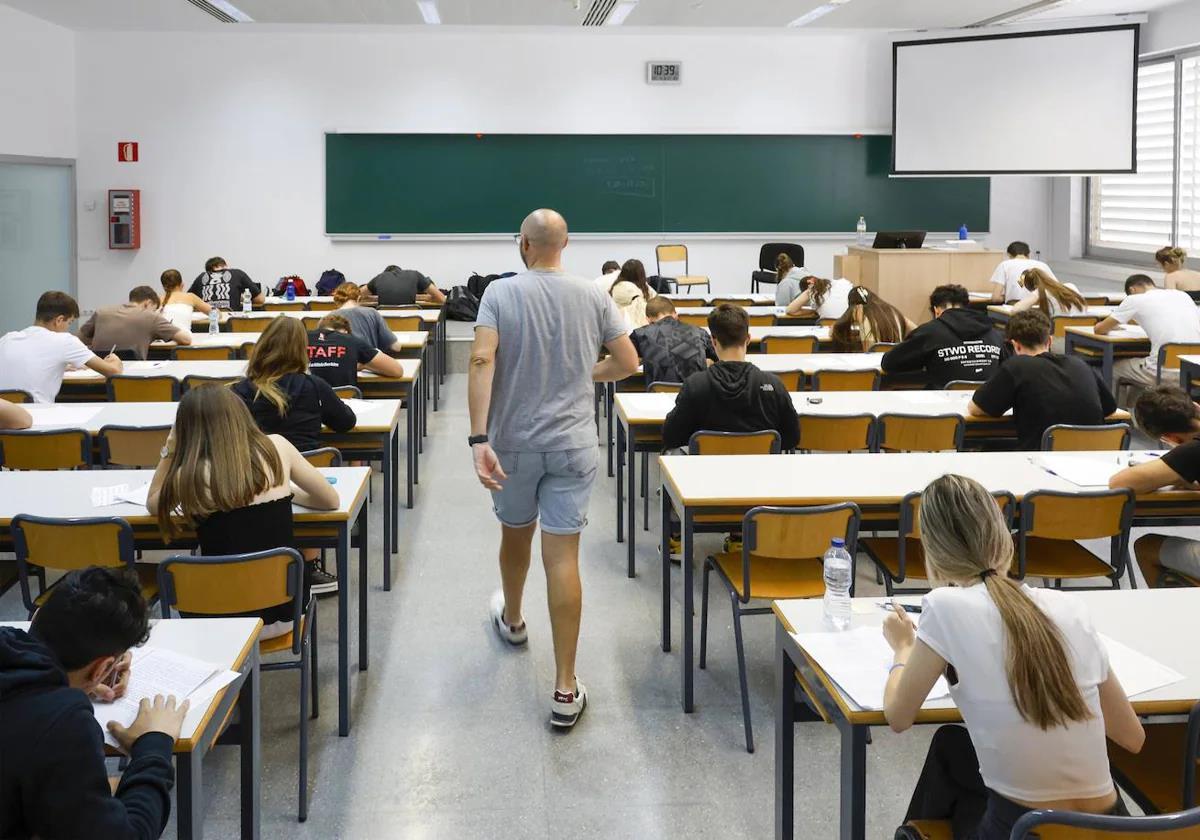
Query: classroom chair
{"points": [[827, 322], [16, 395], [675, 254], [881, 346], [688, 302], [664, 387], [203, 354], [793, 380], [1168, 359], [311, 322], [1066, 438], [132, 447], [196, 381], [837, 433], [348, 392], [241, 583], [1162, 777], [694, 319], [1059, 323], [404, 323], [901, 559], [920, 432], [322, 306], [845, 380], [284, 306], [761, 320], [248, 325], [780, 558], [123, 388], [41, 543], [1096, 300], [767, 255], [246, 350], [962, 385], [45, 449], [734, 443], [326, 456], [1051, 523], [789, 344], [1070, 825]]}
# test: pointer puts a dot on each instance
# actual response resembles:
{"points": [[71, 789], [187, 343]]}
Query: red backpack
{"points": [[298, 282]]}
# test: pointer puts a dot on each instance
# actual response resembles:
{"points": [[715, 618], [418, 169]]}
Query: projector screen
{"points": [[1056, 102]]}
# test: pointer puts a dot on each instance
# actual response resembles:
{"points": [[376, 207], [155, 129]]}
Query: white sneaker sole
{"points": [[506, 633], [560, 720]]}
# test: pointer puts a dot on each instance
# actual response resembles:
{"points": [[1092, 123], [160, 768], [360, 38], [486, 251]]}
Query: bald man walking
{"points": [[533, 363]]}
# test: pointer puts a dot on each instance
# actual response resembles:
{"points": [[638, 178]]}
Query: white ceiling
{"points": [[880, 14]]}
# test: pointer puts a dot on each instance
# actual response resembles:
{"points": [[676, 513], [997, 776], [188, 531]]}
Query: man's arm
{"points": [[183, 337], [1146, 478], [909, 354], [1106, 326], [994, 397], [429, 291], [110, 365], [384, 365], [685, 418], [621, 362], [12, 416], [479, 402], [88, 331]]}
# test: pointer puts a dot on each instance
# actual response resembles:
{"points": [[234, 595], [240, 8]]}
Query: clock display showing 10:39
{"points": [[663, 72]]}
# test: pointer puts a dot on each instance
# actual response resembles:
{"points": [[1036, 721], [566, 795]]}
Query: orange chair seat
{"points": [[1157, 771], [774, 578], [933, 829], [280, 644], [886, 552], [1062, 559], [691, 280], [147, 574]]}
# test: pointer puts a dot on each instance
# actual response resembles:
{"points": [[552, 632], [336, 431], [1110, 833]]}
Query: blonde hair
{"points": [[818, 288], [281, 349], [966, 539], [222, 461], [1036, 280], [1170, 256], [346, 291]]}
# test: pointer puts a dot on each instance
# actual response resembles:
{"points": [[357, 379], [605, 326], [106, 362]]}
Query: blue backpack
{"points": [[329, 281]]}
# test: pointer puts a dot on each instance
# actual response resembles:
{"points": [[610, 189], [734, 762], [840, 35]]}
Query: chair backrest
{"points": [[761, 320], [962, 385], [135, 447], [322, 305], [789, 344], [768, 253], [695, 320], [348, 392], [70, 544], [143, 389], [688, 302], [664, 387], [793, 380], [881, 346], [49, 449], [1096, 300], [1061, 322], [293, 306], [1071, 825], [668, 254], [246, 350], [404, 323], [195, 381], [1065, 438], [799, 532], [837, 433], [734, 443], [920, 433], [324, 457], [248, 325], [16, 395], [826, 322], [845, 380], [311, 322], [1090, 515], [1169, 353], [203, 354], [910, 512]]}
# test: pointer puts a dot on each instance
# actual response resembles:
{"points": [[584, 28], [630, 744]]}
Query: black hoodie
{"points": [[53, 781], [732, 397], [961, 344]]}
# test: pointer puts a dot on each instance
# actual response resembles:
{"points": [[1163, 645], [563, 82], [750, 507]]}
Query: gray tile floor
{"points": [[451, 736]]}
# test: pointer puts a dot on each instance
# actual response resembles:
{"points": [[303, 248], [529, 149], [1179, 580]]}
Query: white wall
{"points": [[1172, 27], [231, 131], [37, 87]]}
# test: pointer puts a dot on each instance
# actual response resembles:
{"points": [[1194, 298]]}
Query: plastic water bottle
{"points": [[862, 231], [214, 321], [247, 300], [290, 293], [963, 233], [837, 584]]}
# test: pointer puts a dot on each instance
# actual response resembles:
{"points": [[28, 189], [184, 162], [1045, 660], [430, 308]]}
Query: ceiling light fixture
{"points": [[818, 12], [429, 11], [231, 10], [1024, 12], [621, 11]]}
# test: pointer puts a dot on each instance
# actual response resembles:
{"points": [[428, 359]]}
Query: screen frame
{"points": [[1135, 61]]}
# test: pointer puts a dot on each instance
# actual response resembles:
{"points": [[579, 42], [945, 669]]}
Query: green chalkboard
{"points": [[634, 183]]}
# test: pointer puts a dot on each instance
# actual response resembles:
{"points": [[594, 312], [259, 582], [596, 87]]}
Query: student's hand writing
{"points": [[114, 359], [487, 466], [898, 629], [117, 682], [161, 715]]}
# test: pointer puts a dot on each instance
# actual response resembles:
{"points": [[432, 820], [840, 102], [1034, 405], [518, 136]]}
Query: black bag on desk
{"points": [[661, 285], [477, 283], [461, 305]]}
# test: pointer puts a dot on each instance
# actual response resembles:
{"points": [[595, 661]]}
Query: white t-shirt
{"points": [[1167, 315], [836, 299], [1016, 758], [605, 281], [1008, 274], [34, 359]]}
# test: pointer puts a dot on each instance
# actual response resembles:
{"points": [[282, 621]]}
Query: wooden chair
{"points": [[195, 381], [1059, 323], [242, 583], [16, 395], [845, 380], [780, 558], [248, 325], [1162, 777], [1168, 358], [246, 350], [124, 388], [962, 385], [1096, 300], [901, 558], [348, 392], [837, 433], [132, 447], [664, 387], [761, 320], [42, 543], [1051, 523], [826, 322], [881, 346], [1069, 825], [734, 443], [678, 253], [926, 830], [694, 319], [920, 432], [49, 449], [688, 302], [203, 354], [793, 380], [311, 322], [1066, 438], [284, 306], [404, 323], [322, 306], [323, 458], [789, 344]]}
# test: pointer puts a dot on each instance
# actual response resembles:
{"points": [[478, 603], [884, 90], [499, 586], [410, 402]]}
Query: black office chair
{"points": [[766, 262]]}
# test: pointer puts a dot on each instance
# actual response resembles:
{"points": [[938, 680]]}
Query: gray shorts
{"points": [[1181, 554], [552, 486]]}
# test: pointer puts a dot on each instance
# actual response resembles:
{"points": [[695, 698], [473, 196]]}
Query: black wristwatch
{"points": [[474, 439]]}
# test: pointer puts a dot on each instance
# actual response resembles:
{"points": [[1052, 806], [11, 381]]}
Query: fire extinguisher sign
{"points": [[127, 151]]}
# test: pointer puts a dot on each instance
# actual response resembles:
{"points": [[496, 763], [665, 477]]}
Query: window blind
{"points": [[1189, 155]]}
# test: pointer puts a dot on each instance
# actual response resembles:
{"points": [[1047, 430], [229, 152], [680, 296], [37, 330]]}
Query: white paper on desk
{"points": [[108, 494], [55, 414], [359, 407], [1137, 672], [858, 661], [135, 496], [1081, 470], [934, 397]]}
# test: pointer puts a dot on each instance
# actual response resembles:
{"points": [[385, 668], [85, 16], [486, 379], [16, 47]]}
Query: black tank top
{"points": [[249, 529]]}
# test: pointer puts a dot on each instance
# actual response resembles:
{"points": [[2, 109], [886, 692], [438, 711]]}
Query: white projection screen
{"points": [[1050, 102]]}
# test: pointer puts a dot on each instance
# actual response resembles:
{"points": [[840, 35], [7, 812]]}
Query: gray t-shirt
{"points": [[551, 327], [788, 288], [368, 324]]}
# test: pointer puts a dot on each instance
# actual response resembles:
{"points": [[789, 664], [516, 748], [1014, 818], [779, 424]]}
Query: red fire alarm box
{"points": [[124, 220]]}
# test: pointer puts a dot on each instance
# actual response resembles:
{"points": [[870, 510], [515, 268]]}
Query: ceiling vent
{"points": [[599, 12], [223, 11]]}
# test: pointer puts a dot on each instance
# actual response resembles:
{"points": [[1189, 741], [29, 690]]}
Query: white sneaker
{"points": [[567, 706], [512, 635]]}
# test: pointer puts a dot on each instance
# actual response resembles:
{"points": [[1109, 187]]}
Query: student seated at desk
{"points": [[608, 275], [789, 279], [826, 297], [1026, 668], [1167, 315], [396, 286], [959, 343], [1167, 414], [337, 356], [1006, 279], [1049, 295], [13, 416], [222, 286], [732, 395], [235, 486], [1176, 274], [128, 328], [630, 292], [53, 779], [365, 322], [670, 350], [868, 320], [179, 306], [1042, 388], [34, 359]]}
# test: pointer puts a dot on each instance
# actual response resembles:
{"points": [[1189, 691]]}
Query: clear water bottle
{"points": [[861, 230], [214, 321], [290, 292], [247, 300], [963, 233], [837, 584]]}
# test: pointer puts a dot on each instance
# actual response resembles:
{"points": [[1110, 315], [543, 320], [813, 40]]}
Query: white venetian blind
{"points": [[1134, 212], [1189, 155]]}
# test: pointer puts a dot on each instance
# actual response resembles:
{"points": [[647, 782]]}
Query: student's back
{"points": [[311, 403], [731, 397], [671, 350], [398, 286]]}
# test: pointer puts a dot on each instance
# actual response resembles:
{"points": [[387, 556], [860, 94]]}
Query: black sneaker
{"points": [[321, 582]]}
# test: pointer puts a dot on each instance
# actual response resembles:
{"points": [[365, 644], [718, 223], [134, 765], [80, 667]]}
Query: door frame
{"points": [[74, 214]]}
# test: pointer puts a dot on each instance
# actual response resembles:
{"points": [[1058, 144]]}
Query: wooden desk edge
{"points": [[186, 745]]}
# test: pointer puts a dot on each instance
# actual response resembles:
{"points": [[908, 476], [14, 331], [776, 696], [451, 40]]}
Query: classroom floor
{"points": [[450, 733]]}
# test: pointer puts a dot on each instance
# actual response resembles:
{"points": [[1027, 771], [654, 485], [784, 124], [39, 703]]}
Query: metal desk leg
{"points": [[631, 498], [664, 547], [363, 625], [250, 729], [609, 389], [685, 660], [410, 445], [785, 738], [189, 795], [1106, 364], [389, 504], [620, 485], [419, 398], [853, 806], [343, 572]]}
